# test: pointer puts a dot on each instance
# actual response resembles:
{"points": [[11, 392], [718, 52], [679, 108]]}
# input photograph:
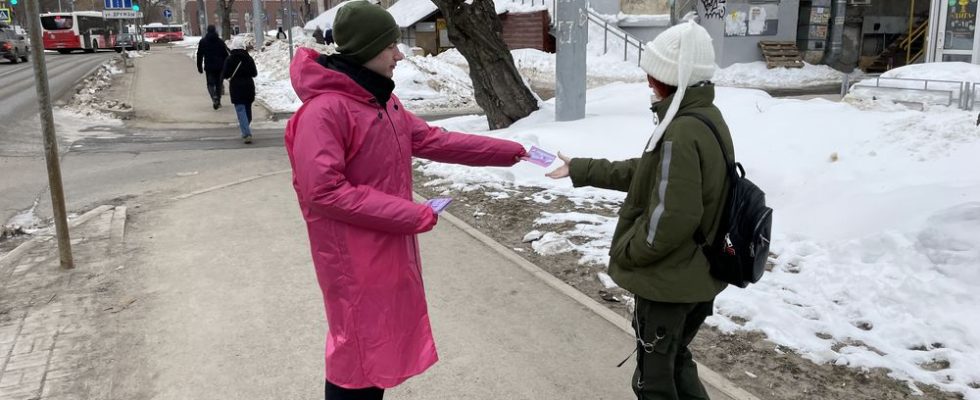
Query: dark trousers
{"points": [[665, 369], [334, 392], [216, 87]]}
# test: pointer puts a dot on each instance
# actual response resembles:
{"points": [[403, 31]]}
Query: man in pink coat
{"points": [[351, 146]]}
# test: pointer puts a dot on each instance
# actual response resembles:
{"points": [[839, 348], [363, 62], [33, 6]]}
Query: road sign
{"points": [[118, 4], [167, 13], [121, 14], [4, 15]]}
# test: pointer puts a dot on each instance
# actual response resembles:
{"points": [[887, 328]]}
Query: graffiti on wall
{"points": [[713, 9]]}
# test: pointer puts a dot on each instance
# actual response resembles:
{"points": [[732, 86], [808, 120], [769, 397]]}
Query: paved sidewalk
{"points": [[166, 90], [50, 317], [231, 310]]}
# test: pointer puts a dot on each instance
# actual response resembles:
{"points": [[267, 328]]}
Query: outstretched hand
{"points": [[562, 171]]}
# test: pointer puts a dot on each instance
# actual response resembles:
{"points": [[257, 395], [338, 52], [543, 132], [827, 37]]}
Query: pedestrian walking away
{"points": [[350, 146], [211, 55], [675, 188], [280, 34], [239, 70]]}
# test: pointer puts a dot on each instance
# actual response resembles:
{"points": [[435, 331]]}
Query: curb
{"points": [[706, 374], [27, 246], [273, 115]]}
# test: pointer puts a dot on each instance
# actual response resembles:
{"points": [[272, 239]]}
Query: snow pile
{"points": [[757, 75], [876, 239], [89, 97]]}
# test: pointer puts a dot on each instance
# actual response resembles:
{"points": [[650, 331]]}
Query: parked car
{"points": [[130, 41], [13, 46]]}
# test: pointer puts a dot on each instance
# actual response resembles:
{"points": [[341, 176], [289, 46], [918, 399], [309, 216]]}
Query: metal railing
{"points": [[919, 33], [965, 93], [629, 41]]}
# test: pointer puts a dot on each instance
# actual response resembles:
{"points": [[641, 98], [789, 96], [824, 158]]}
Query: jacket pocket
{"points": [[624, 234]]}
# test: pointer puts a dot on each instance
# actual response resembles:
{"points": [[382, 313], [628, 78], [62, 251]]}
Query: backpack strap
{"points": [[699, 237], [714, 130]]}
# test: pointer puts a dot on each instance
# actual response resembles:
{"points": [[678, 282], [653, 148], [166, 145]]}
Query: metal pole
{"points": [[59, 8], [204, 6], [50, 140], [571, 27], [258, 30], [289, 35]]}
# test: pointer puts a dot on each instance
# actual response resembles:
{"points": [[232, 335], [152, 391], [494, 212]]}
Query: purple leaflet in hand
{"points": [[438, 204], [540, 157]]}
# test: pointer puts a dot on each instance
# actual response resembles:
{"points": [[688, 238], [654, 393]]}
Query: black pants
{"points": [[334, 392], [665, 369], [216, 87]]}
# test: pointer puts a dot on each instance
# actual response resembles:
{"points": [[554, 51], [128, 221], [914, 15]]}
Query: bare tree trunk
{"points": [[476, 32], [225, 7]]}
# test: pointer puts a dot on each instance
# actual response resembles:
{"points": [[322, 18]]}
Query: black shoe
{"points": [[216, 105]]}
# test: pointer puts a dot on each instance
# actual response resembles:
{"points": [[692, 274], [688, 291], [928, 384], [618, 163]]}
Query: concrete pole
{"points": [[204, 6], [259, 29], [50, 139], [570, 62], [289, 34]]}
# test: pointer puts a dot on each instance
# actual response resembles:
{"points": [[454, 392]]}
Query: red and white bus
{"points": [[160, 33], [79, 30]]}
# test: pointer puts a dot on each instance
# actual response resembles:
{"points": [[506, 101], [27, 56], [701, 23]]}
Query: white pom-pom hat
{"points": [[680, 56]]}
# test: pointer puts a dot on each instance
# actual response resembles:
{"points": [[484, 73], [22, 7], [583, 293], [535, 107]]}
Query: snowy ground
{"points": [[877, 227], [453, 91]]}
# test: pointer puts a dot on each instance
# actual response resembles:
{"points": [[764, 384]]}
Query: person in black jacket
{"points": [[239, 70], [211, 55]]}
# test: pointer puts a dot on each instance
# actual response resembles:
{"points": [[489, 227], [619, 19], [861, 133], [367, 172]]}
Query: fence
{"points": [[932, 91]]}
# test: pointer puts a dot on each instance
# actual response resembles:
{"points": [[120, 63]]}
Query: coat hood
{"points": [[310, 79]]}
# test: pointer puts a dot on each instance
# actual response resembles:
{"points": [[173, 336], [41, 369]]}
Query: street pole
{"points": [[290, 33], [572, 31], [204, 6], [258, 31], [50, 140]]}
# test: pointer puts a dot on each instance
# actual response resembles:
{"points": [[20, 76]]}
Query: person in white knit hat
{"points": [[675, 190]]}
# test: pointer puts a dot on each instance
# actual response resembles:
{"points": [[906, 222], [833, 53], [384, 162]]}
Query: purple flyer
{"points": [[540, 157], [438, 204]]}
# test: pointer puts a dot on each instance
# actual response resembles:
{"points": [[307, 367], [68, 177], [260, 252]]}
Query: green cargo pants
{"points": [[665, 369]]}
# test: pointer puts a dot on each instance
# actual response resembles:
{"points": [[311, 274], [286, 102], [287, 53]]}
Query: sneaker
{"points": [[247, 139]]}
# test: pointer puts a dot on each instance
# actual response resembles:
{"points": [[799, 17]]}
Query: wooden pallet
{"points": [[781, 54]]}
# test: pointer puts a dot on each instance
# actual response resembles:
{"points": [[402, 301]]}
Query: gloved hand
{"points": [[200, 70]]}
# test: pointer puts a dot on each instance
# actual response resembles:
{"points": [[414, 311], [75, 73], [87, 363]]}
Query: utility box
{"points": [[812, 30]]}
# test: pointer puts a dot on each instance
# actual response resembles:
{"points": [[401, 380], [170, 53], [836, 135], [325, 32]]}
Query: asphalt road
{"points": [[20, 131]]}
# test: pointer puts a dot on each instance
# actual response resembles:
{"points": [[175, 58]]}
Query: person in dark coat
{"points": [[239, 70], [318, 35], [211, 55], [675, 188], [280, 34]]}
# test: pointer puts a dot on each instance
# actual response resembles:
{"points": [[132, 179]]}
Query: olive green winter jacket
{"points": [[672, 190]]}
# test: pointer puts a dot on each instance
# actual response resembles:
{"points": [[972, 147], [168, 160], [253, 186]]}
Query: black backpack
{"points": [[739, 251]]}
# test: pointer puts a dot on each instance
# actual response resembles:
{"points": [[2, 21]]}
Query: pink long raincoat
{"points": [[352, 173]]}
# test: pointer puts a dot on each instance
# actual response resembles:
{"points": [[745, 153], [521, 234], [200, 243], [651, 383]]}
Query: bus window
{"points": [[57, 22]]}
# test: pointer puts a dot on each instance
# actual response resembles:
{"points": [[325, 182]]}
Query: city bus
{"points": [[79, 30], [160, 33]]}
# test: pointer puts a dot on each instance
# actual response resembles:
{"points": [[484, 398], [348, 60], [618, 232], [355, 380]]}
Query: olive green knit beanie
{"points": [[362, 30]]}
